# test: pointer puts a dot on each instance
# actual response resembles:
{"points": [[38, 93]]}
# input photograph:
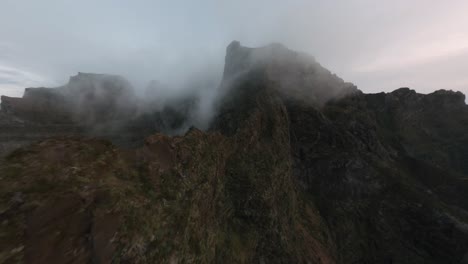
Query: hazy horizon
{"points": [[377, 46]]}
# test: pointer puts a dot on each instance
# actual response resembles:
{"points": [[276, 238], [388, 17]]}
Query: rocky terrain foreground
{"points": [[297, 166]]}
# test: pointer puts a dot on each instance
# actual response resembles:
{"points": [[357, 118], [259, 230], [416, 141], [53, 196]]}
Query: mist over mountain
{"points": [[378, 46], [281, 161]]}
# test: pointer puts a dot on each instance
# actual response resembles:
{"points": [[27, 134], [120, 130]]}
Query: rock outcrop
{"points": [[297, 167]]}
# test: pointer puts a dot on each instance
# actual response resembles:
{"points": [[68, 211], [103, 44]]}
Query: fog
{"points": [[378, 46]]}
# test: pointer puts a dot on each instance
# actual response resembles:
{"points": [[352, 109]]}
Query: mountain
{"points": [[90, 105], [297, 166]]}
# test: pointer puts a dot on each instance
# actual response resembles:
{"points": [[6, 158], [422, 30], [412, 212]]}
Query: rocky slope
{"points": [[297, 167]]}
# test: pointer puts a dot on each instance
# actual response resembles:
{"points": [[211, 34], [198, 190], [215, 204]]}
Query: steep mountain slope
{"points": [[297, 167], [382, 204], [197, 198]]}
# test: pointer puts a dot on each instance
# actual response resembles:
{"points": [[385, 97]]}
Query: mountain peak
{"points": [[294, 74]]}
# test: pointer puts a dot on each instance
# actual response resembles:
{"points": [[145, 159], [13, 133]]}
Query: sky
{"points": [[377, 45]]}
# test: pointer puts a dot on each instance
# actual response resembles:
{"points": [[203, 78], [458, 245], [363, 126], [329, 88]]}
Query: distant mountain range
{"points": [[296, 166]]}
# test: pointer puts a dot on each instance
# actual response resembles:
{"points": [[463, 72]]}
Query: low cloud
{"points": [[171, 41]]}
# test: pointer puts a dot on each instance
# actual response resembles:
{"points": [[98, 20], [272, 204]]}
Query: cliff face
{"points": [[384, 170], [382, 203], [297, 167], [431, 127]]}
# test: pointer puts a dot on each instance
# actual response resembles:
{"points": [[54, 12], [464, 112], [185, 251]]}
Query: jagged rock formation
{"points": [[297, 167]]}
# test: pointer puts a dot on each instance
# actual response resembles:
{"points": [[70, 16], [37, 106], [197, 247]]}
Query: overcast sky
{"points": [[378, 45]]}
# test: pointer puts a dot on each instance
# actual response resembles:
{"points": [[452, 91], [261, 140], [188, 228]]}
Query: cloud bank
{"points": [[377, 45]]}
